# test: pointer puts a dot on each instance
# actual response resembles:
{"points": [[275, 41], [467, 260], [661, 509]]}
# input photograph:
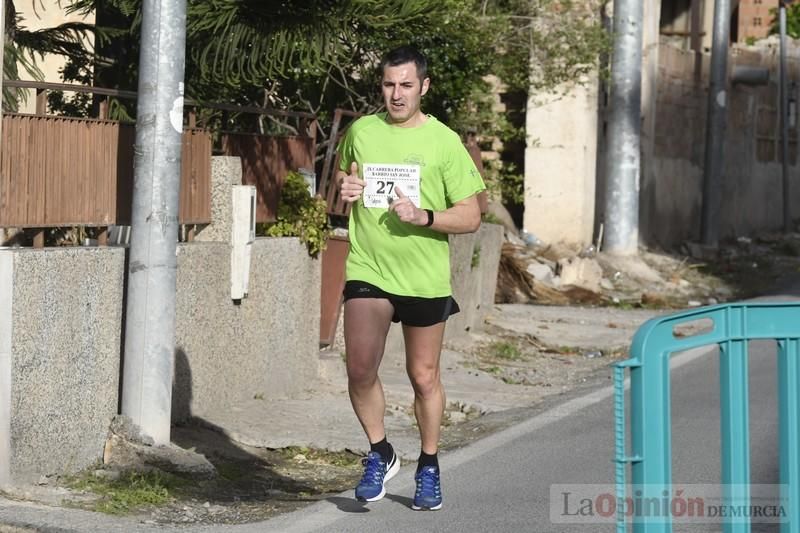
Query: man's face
{"points": [[402, 91]]}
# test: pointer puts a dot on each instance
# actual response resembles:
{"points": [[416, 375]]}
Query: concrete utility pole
{"points": [[715, 124], [623, 160], [784, 107], [150, 317]]}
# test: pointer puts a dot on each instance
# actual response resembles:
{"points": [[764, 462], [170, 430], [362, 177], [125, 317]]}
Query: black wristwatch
{"points": [[430, 218]]}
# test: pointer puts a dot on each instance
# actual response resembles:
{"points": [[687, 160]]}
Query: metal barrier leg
{"points": [[651, 440], [734, 400], [789, 421], [619, 445], [621, 458]]}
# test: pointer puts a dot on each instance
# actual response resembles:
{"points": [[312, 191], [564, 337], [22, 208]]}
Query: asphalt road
{"points": [[502, 484]]}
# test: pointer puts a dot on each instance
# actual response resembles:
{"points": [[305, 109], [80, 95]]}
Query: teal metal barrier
{"points": [[732, 326]]}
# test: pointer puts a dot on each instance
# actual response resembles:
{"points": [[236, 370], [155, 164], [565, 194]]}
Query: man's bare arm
{"points": [[463, 217]]}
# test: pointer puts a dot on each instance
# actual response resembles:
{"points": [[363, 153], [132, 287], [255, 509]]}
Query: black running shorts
{"points": [[410, 310]]}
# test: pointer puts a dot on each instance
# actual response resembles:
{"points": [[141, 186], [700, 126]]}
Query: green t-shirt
{"points": [[398, 257]]}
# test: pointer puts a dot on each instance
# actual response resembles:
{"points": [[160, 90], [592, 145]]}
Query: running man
{"points": [[411, 183]]}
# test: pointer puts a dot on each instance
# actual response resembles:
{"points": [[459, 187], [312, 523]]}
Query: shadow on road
{"points": [[404, 500], [348, 505]]}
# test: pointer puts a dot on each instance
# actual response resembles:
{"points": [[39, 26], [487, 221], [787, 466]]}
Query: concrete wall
{"points": [[474, 261], [561, 172], [560, 163], [60, 330], [61, 337], [676, 22], [6, 345], [226, 171], [751, 192], [267, 345]]}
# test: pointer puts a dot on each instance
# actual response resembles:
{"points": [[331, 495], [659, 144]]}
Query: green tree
{"points": [[792, 21], [319, 54], [316, 55]]}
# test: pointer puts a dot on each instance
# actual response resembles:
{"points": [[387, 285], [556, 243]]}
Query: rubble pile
{"points": [[557, 274]]}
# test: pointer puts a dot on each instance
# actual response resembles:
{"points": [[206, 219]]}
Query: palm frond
{"points": [[68, 39], [251, 40]]}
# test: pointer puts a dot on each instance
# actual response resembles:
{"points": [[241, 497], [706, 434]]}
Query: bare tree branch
{"points": [[284, 125]]}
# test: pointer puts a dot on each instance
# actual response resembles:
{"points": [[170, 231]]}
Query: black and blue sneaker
{"points": [[376, 473], [429, 490]]}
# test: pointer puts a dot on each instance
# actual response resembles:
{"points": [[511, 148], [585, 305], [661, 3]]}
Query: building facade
{"points": [[754, 19]]}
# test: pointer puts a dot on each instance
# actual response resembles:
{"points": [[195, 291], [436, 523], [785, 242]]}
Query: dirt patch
{"points": [[756, 266], [517, 359], [252, 484]]}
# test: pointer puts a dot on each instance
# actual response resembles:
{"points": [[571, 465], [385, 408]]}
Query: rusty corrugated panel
{"points": [[333, 276], [60, 171], [265, 163]]}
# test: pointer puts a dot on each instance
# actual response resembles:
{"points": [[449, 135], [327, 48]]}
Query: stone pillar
{"points": [[226, 171], [560, 160]]}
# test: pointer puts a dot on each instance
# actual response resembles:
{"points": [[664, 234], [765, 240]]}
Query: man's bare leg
{"points": [[423, 350], [366, 324]]}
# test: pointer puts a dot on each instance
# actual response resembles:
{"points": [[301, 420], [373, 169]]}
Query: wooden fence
{"points": [[328, 187], [60, 171]]}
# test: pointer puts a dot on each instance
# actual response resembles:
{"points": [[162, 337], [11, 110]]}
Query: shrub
{"points": [[301, 215]]}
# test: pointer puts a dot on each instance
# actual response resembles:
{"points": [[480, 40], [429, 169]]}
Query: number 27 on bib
{"points": [[382, 179]]}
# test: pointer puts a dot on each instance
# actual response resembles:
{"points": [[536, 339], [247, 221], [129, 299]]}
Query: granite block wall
{"points": [[60, 331], [61, 328], [266, 345]]}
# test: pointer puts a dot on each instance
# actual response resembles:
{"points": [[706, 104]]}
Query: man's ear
{"points": [[426, 83]]}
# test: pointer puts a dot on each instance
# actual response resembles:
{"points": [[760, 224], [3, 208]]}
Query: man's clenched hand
{"points": [[407, 211], [351, 186]]}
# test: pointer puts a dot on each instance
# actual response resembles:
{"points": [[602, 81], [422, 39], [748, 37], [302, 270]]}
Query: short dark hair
{"points": [[403, 55]]}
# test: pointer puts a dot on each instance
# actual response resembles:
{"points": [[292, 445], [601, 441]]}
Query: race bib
{"points": [[383, 179]]}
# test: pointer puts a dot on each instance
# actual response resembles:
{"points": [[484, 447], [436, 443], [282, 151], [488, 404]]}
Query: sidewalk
{"points": [[323, 418]]}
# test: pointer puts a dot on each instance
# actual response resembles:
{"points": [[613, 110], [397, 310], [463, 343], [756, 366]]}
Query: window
{"points": [[757, 21], [757, 1]]}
